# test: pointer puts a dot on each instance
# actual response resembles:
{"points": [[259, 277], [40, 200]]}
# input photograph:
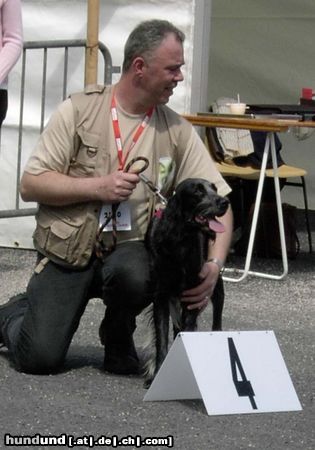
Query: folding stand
{"points": [[269, 147]]}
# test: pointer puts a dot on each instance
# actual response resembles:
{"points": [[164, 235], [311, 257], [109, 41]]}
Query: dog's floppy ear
{"points": [[175, 207]]}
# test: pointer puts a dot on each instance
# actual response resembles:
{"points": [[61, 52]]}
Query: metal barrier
{"points": [[109, 70]]}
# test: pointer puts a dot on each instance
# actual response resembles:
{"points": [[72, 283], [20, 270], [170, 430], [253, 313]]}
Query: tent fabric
{"points": [[263, 51]]}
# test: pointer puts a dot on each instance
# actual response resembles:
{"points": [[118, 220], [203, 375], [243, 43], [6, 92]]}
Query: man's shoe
{"points": [[14, 306], [121, 364], [120, 353], [121, 358]]}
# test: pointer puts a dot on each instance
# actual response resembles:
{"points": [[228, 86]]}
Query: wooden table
{"points": [[247, 122], [271, 126]]}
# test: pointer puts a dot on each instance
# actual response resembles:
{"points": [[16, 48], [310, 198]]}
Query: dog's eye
{"points": [[199, 189]]}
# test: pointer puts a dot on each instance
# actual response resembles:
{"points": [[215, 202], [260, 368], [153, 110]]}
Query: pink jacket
{"points": [[11, 37]]}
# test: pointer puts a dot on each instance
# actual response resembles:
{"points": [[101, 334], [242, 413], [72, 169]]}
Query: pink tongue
{"points": [[216, 226]]}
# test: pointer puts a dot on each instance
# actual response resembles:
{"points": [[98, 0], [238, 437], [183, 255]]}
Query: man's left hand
{"points": [[199, 296]]}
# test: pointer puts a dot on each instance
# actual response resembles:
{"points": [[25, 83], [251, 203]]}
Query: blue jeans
{"points": [[40, 334]]}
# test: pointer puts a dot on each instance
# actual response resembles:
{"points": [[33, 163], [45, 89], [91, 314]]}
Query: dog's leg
{"points": [[175, 311], [189, 319], [217, 303]]}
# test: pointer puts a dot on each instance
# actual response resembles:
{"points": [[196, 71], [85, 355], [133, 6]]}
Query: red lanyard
{"points": [[122, 159]]}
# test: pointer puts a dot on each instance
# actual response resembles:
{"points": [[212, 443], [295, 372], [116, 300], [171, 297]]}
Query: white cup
{"points": [[238, 108]]}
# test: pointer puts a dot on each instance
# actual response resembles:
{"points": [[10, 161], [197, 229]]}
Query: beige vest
{"points": [[66, 234]]}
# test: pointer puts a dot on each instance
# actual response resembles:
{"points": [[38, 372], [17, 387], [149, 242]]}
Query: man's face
{"points": [[162, 71]]}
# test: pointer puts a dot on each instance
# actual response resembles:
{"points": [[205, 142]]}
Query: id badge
{"points": [[123, 217]]}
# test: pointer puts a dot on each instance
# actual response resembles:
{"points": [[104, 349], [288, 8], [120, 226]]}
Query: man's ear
{"points": [[138, 64]]}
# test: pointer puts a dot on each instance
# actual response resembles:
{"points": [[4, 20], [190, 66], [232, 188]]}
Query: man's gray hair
{"points": [[146, 37]]}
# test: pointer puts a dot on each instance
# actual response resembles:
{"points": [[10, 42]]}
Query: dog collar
{"points": [[158, 213]]}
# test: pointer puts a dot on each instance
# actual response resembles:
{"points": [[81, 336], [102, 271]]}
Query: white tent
{"points": [[263, 50]]}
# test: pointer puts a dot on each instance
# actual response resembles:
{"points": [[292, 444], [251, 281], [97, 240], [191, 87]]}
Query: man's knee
{"points": [[39, 360], [134, 283], [127, 280]]}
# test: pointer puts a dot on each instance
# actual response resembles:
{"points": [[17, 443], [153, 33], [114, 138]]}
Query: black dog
{"points": [[178, 246]]}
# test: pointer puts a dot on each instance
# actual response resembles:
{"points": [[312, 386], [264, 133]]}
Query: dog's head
{"points": [[198, 204]]}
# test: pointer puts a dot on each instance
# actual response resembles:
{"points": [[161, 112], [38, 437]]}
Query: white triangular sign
{"points": [[167, 385], [233, 372]]}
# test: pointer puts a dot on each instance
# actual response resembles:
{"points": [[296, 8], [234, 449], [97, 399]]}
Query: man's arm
{"points": [[218, 250], [45, 180], [53, 188], [198, 297]]}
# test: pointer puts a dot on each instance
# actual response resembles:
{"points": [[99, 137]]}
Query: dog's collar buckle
{"points": [[153, 188]]}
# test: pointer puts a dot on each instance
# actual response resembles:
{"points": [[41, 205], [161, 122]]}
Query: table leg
{"points": [[269, 147]]}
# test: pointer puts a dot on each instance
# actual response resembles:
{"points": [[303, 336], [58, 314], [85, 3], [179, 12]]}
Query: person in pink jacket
{"points": [[11, 44]]}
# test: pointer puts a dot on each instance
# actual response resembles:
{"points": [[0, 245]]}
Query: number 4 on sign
{"points": [[222, 369], [243, 386]]}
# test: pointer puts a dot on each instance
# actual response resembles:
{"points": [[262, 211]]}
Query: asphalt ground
{"points": [[84, 401]]}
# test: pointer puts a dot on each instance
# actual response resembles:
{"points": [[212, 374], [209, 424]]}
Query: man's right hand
{"points": [[117, 186]]}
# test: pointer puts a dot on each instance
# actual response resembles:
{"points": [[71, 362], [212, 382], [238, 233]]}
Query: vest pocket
{"points": [[84, 161], [68, 242], [56, 238], [60, 237]]}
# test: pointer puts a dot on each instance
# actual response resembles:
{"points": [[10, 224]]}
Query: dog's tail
{"points": [[149, 346]]}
